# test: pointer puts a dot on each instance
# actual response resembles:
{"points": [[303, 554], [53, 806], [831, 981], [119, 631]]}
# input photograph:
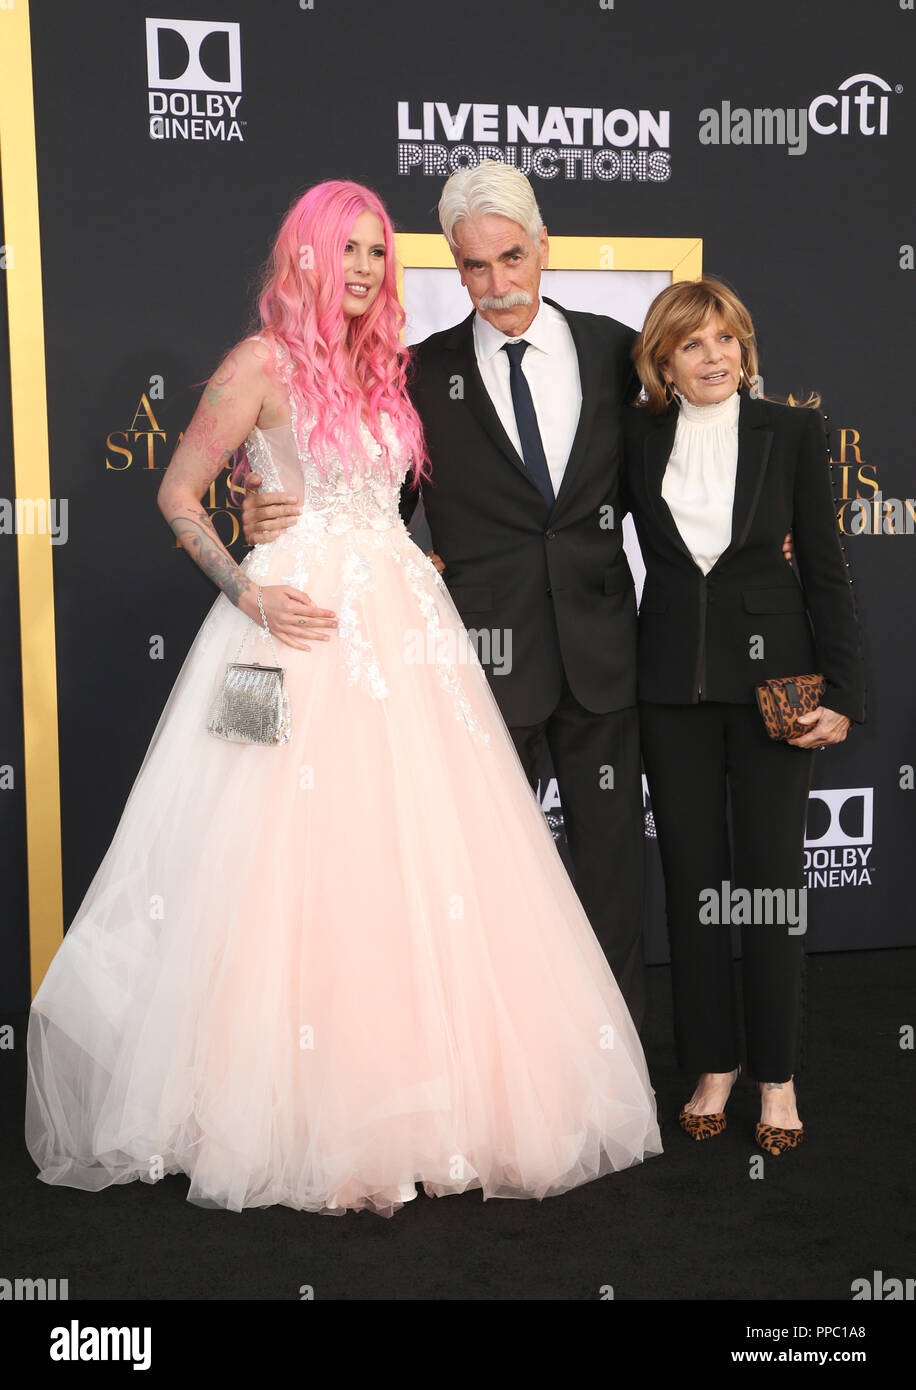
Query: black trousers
{"points": [[697, 758], [604, 826]]}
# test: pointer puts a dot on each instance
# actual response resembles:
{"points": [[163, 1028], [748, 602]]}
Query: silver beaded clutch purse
{"points": [[252, 705]]}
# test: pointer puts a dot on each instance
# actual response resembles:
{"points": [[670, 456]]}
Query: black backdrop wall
{"points": [[781, 137]]}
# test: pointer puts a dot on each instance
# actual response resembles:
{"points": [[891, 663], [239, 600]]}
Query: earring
{"points": [[669, 391]]}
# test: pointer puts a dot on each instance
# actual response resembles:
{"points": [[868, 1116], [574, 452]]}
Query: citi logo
{"points": [[858, 107], [831, 115]]}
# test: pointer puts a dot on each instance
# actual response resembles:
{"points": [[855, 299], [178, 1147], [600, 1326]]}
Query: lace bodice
{"points": [[331, 504], [335, 503], [363, 511]]}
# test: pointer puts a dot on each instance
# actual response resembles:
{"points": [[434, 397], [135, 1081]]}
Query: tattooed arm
{"points": [[229, 407]]}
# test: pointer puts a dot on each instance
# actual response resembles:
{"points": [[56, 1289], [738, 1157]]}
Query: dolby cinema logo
{"points": [[194, 71], [838, 838]]}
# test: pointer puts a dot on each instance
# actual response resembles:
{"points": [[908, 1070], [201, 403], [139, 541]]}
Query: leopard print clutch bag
{"points": [[784, 698]]}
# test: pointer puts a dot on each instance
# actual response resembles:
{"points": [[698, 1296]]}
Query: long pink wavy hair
{"points": [[342, 370]]}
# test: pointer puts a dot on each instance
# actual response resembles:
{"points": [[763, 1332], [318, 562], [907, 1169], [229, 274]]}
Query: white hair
{"points": [[490, 188]]}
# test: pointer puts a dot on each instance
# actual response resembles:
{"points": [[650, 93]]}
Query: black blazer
{"points": [[557, 578], [695, 631]]}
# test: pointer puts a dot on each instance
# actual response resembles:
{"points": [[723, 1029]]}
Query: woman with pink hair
{"points": [[320, 971]]}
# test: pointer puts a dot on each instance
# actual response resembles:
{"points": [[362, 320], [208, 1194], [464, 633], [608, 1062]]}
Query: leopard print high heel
{"points": [[704, 1126], [776, 1141]]}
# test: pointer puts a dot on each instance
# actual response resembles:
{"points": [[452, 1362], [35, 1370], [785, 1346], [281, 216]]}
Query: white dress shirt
{"points": [[699, 481], [551, 369]]}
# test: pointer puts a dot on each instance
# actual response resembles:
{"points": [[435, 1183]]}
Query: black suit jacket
{"points": [[696, 631], [556, 578]]}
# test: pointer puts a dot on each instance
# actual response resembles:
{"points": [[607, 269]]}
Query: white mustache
{"points": [[514, 300]]}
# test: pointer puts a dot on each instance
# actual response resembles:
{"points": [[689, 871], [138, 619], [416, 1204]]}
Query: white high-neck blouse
{"points": [[699, 481]]}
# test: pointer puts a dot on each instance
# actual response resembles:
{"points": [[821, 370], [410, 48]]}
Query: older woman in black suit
{"points": [[716, 477]]}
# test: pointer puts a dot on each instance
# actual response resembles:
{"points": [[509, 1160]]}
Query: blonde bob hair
{"points": [[673, 315]]}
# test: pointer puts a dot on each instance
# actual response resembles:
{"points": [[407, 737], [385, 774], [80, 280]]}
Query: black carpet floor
{"points": [[690, 1224]]}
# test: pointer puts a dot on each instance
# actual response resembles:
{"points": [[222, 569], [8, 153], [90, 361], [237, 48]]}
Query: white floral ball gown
{"points": [[320, 973]]}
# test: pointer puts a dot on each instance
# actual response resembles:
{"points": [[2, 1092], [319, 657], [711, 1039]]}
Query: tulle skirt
{"points": [[322, 973]]}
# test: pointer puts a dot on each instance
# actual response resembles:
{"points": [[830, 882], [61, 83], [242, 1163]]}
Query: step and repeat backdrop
{"points": [[770, 145]]}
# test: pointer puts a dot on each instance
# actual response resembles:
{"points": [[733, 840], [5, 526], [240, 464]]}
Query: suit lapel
{"points": [[657, 449], [754, 441], [476, 396], [477, 399]]}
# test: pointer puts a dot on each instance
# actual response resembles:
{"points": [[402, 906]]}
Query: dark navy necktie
{"points": [[527, 421]]}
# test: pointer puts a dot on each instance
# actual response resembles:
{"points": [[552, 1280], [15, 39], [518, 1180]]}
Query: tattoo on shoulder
{"points": [[219, 381]]}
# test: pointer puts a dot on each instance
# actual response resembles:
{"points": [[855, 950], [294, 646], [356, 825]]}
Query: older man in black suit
{"points": [[521, 406]]}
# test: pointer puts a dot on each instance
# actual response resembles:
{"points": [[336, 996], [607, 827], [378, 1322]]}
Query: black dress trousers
{"points": [[699, 760], [603, 817]]}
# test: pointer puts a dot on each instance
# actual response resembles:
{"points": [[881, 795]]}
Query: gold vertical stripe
{"points": [[18, 170]]}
